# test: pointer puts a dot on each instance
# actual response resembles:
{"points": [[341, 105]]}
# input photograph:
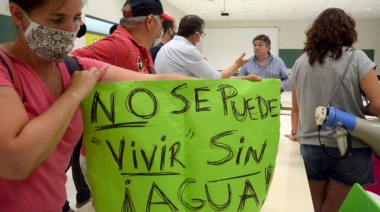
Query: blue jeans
{"points": [[356, 168]]}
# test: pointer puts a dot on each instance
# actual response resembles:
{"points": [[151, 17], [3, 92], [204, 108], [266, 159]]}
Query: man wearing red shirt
{"points": [[128, 46]]}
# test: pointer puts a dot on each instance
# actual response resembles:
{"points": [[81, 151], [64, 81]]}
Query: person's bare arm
{"points": [[115, 73], [294, 118], [228, 72], [371, 88], [252, 77], [24, 143]]}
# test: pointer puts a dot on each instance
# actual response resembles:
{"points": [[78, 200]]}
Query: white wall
{"points": [[222, 46], [292, 33], [4, 9]]}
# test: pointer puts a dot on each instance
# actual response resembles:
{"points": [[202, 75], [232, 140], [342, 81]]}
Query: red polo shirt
{"points": [[119, 49]]}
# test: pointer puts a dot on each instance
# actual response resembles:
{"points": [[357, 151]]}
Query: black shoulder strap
{"points": [[72, 64], [3, 60], [13, 74], [344, 74]]}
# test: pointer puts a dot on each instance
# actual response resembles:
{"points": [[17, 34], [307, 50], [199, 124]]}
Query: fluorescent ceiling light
{"points": [[305, 11], [368, 9], [257, 11], [192, 1]]}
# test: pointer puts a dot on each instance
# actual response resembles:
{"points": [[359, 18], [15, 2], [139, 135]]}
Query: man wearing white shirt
{"points": [[180, 56]]}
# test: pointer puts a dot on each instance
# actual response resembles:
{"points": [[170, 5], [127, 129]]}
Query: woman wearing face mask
{"points": [[180, 55], [39, 131]]}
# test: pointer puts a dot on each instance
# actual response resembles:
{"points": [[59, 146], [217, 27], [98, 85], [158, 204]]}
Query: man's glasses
{"points": [[203, 34]]}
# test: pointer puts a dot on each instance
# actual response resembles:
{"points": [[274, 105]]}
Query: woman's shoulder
{"points": [[360, 53], [303, 57], [357, 52]]}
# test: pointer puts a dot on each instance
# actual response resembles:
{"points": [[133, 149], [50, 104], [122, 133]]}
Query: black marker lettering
{"points": [[220, 207], [143, 114], [183, 98], [227, 92], [198, 101], [165, 199], [180, 194], [94, 110], [215, 144]]}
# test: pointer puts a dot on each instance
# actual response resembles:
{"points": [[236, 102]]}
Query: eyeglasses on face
{"points": [[202, 34]]}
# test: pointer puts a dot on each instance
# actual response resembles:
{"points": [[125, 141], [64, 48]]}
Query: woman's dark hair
{"points": [[189, 25], [330, 31], [30, 5]]}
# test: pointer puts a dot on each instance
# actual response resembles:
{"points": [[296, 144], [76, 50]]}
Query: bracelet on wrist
{"points": [[291, 132]]}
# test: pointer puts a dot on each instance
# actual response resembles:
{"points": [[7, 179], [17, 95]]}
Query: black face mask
{"points": [[82, 30]]}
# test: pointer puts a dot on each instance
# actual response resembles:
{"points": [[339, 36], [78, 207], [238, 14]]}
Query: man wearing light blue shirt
{"points": [[264, 64], [180, 55]]}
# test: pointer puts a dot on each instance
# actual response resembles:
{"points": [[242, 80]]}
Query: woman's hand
{"points": [[291, 137], [83, 82], [252, 77]]}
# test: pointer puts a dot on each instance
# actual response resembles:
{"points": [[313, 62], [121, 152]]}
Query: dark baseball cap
{"points": [[145, 8]]}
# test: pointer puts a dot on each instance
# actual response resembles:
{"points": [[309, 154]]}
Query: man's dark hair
{"points": [[262, 37], [113, 28], [166, 25], [189, 25]]}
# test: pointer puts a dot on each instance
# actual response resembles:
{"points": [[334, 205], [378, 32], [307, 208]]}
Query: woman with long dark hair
{"points": [[315, 74]]}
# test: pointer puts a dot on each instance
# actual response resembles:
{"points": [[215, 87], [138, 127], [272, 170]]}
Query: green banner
{"points": [[194, 145]]}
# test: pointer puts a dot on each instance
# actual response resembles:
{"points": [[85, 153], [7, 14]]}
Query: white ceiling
{"points": [[245, 10]]}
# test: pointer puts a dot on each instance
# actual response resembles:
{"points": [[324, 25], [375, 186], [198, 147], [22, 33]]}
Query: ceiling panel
{"points": [[275, 9]]}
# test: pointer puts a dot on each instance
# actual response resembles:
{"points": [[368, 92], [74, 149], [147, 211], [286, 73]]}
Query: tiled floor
{"points": [[71, 191]]}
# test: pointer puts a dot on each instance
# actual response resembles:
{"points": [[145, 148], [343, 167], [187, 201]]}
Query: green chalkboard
{"points": [[289, 56], [8, 29], [370, 53]]}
